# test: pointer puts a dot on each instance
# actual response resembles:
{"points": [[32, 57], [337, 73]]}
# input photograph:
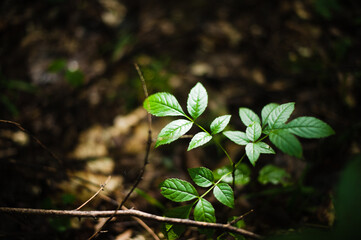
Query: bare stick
{"points": [[18, 125], [130, 212], [102, 186], [142, 171]]}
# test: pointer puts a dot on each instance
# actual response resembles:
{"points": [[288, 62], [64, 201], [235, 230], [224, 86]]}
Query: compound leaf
{"points": [[178, 190], [286, 142], [173, 131], [204, 211], [163, 104], [266, 110], [197, 100], [253, 152], [309, 127], [220, 123], [280, 115], [199, 139], [237, 137], [248, 116], [202, 176], [253, 131], [224, 193]]}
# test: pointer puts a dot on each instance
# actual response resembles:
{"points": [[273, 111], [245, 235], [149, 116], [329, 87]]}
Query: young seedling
{"points": [[272, 124]]}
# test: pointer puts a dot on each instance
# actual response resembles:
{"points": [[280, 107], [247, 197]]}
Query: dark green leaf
{"points": [[309, 127], [237, 137], [163, 104], [248, 116], [173, 131], [273, 174], [286, 142], [220, 123], [280, 115], [199, 139], [242, 174], [178, 190], [202, 176], [197, 100], [204, 211], [224, 193], [173, 231]]}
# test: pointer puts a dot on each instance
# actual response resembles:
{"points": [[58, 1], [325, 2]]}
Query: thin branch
{"points": [[240, 217], [102, 186], [130, 212], [145, 163], [18, 125]]}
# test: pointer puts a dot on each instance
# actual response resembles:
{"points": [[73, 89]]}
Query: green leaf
{"points": [[242, 174], [173, 131], [265, 148], [286, 142], [280, 115], [224, 193], [178, 190], [266, 110], [220, 123], [254, 131], [309, 127], [199, 139], [237, 137], [253, 152], [248, 116], [173, 231], [197, 100], [202, 176], [204, 211], [273, 174], [163, 104]]}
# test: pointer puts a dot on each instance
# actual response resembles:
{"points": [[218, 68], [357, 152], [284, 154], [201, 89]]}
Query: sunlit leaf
{"points": [[204, 211], [199, 139], [280, 115], [173, 131], [178, 190], [248, 116], [272, 174], [224, 193], [253, 152], [163, 104], [254, 131], [220, 123], [309, 127], [197, 100], [265, 148], [242, 174], [237, 137], [286, 142], [202, 176], [266, 110]]}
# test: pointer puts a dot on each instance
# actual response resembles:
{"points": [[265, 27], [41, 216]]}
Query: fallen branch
{"points": [[130, 212]]}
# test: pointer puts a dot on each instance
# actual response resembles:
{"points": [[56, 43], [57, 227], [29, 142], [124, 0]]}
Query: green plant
{"points": [[272, 124]]}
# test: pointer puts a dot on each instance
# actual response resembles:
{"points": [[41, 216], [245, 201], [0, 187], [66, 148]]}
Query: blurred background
{"points": [[67, 76]]}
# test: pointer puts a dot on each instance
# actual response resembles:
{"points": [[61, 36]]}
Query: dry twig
{"points": [[130, 212]]}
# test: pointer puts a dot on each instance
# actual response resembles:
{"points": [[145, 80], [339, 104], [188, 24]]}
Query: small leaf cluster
{"points": [[165, 104], [274, 126], [179, 190]]}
